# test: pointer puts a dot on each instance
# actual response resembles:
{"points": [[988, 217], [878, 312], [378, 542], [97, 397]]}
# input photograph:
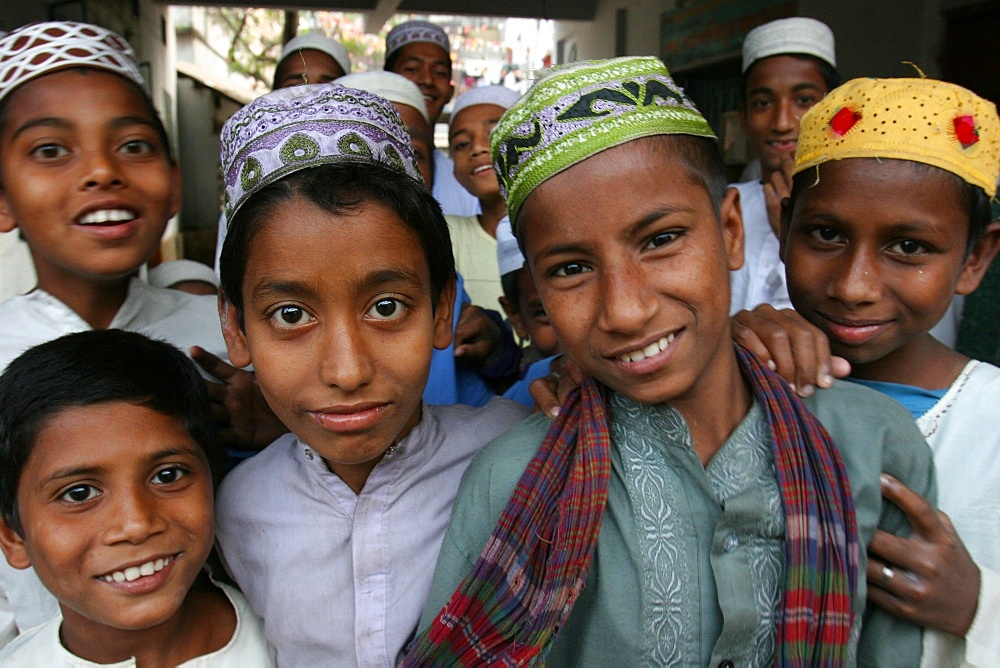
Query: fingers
{"points": [[214, 366], [544, 391], [924, 517], [794, 348]]}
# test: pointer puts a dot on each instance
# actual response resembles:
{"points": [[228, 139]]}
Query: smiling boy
{"points": [[338, 283], [685, 508]]}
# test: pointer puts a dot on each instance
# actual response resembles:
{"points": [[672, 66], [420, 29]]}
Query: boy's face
{"points": [[528, 316], [633, 268], [307, 66], [428, 66], [469, 143], [874, 253], [116, 506], [420, 140], [780, 89], [84, 176], [340, 325]]}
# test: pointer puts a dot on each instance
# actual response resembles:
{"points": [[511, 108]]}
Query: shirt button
{"points": [[727, 663], [309, 454], [729, 544]]}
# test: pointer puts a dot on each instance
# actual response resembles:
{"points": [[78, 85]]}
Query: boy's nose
{"points": [[100, 171], [346, 360], [134, 517], [784, 118], [627, 303], [856, 280]]}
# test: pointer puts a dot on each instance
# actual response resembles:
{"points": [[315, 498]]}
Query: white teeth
{"points": [[648, 351], [483, 168], [107, 216], [135, 572]]}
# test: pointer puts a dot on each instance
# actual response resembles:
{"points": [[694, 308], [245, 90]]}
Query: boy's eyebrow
{"points": [[77, 471], [128, 121], [383, 277], [375, 279], [61, 124], [426, 59], [797, 88], [632, 230]]}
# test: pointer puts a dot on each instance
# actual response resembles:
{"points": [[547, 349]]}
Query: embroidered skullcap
{"points": [[416, 31], [577, 110], [317, 42], [300, 127], [393, 87], [799, 35], [30, 51], [922, 120], [508, 252], [167, 274], [497, 95]]}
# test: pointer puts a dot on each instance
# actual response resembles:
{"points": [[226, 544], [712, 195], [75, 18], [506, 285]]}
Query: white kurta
{"points": [[28, 320], [340, 579], [454, 199], [964, 433], [246, 649], [761, 279]]}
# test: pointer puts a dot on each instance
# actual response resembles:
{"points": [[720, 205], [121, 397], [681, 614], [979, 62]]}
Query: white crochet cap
{"points": [[416, 31], [171, 273], [317, 42], [785, 36], [508, 253], [498, 95], [393, 87], [40, 48]]}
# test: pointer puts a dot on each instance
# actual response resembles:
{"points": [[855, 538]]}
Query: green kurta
{"points": [[681, 543]]}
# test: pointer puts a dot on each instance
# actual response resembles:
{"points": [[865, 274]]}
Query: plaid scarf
{"points": [[534, 565]]}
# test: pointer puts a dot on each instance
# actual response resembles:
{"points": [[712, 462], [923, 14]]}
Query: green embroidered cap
{"points": [[577, 110]]}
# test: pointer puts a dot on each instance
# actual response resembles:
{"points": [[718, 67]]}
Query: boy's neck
{"points": [[96, 302], [493, 210], [204, 623], [924, 362]]}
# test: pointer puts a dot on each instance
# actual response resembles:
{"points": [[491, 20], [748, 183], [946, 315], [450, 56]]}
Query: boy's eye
{"points": [[386, 308], [570, 269], [907, 247], [169, 475], [805, 101], [289, 316], [459, 145], [760, 103], [137, 147], [442, 73], [50, 151], [826, 234], [662, 239], [79, 493]]}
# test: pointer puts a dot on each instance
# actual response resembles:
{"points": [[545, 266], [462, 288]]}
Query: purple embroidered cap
{"points": [[297, 128]]}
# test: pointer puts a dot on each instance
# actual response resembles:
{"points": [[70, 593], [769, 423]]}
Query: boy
{"points": [[788, 66], [648, 527], [109, 463], [421, 52], [889, 219], [311, 58], [321, 177], [88, 181], [474, 237]]}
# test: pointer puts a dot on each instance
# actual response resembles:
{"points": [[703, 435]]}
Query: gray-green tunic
{"points": [[689, 562]]}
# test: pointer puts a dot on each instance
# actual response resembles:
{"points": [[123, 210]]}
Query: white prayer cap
{"points": [[799, 35], [498, 95], [416, 31], [317, 42], [508, 253], [393, 87], [171, 273]]}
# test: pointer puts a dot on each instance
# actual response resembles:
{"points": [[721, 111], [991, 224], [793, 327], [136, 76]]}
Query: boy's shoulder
{"points": [[503, 460]]}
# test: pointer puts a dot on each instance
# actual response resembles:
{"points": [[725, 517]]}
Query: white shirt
{"points": [[246, 649], [180, 318], [17, 271], [476, 260], [964, 433], [28, 320], [761, 279], [340, 579], [454, 199]]}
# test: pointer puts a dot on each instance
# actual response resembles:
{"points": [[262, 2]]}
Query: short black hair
{"points": [[92, 368], [830, 74], [700, 156], [334, 188], [971, 198], [161, 130], [511, 286]]}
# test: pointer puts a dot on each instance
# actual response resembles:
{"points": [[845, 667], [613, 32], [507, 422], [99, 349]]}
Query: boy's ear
{"points": [[443, 316], [7, 222], [731, 221], [232, 332], [515, 318], [13, 547], [979, 260]]}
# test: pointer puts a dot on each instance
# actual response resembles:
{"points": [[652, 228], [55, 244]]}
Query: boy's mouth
{"points": [[135, 572], [107, 217], [482, 168], [783, 144], [653, 348]]}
